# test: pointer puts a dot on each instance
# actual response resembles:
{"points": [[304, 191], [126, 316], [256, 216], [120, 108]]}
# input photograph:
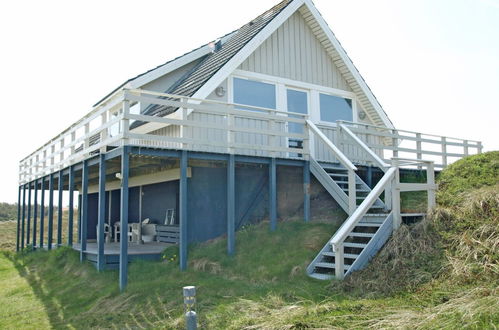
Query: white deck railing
{"points": [[213, 126]]}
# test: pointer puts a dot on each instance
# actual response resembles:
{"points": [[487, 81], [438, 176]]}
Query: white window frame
{"points": [[282, 84]]}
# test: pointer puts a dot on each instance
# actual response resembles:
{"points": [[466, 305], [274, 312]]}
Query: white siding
{"points": [[294, 52]]}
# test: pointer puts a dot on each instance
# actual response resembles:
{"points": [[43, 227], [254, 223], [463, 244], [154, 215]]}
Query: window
{"points": [[335, 108], [254, 93]]}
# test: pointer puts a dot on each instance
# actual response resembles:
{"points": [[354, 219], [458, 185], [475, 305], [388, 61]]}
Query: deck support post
{"points": [[18, 230], [273, 194], [51, 212], [35, 213], [28, 224], [183, 210], [60, 189], [23, 217], [125, 168], [369, 176], [42, 211], [78, 224], [231, 205], [102, 213], [84, 210], [71, 205], [306, 191]]}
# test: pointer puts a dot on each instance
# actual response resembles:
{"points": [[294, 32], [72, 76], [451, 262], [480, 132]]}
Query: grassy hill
{"points": [[440, 273]]}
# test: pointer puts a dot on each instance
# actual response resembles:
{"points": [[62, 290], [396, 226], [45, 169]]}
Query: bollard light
{"points": [[190, 306]]}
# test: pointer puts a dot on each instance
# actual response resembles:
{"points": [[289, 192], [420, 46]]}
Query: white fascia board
{"points": [[247, 50], [336, 44], [174, 65]]}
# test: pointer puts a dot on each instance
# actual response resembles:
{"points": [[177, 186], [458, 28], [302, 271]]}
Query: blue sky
{"points": [[433, 65]]}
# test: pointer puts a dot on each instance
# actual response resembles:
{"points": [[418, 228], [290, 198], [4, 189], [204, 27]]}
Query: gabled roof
{"points": [[237, 46]]}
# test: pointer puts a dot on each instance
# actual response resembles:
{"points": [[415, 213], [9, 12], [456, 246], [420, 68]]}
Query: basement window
{"points": [[335, 108], [254, 93]]}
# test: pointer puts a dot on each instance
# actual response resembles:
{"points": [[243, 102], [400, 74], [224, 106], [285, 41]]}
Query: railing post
{"points": [[430, 175], [231, 137], [73, 139], [395, 152], [104, 132], [272, 138], [352, 192], [339, 261], [479, 147], [444, 151], [465, 147], [395, 196], [419, 154], [184, 128], [125, 122], [61, 155]]}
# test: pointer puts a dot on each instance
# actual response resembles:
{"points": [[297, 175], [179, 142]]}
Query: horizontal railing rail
{"points": [[386, 143]]}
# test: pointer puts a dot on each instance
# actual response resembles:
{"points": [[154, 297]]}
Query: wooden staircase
{"points": [[364, 240]]}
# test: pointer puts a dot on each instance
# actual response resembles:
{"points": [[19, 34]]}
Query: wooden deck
{"points": [[133, 248]]}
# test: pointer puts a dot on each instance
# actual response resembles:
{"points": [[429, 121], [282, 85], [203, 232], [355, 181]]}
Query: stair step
{"points": [[357, 190], [346, 255], [369, 224], [339, 175], [321, 276], [353, 234], [329, 265], [354, 245]]}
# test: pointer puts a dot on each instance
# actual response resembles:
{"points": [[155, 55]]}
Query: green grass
{"points": [[441, 273]]}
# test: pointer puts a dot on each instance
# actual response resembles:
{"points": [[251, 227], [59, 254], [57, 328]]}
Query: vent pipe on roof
{"points": [[215, 45]]}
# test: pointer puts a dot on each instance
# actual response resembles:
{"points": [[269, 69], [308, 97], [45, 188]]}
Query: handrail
{"points": [[381, 164], [337, 152], [357, 215]]}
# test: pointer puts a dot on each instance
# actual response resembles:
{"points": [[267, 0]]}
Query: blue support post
{"points": [[306, 191], [18, 231], [273, 194], [60, 189], [71, 205], [84, 210], [35, 213], [369, 176], [183, 210], [102, 214], [50, 233], [231, 205], [42, 211], [78, 228], [125, 168], [28, 225], [23, 218]]}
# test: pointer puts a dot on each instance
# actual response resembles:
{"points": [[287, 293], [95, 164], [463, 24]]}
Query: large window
{"points": [[335, 108], [254, 93]]}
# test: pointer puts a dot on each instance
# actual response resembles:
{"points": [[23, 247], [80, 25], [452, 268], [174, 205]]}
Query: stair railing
{"points": [[342, 233], [340, 156]]}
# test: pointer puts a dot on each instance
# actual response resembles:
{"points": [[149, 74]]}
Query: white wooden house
{"points": [[198, 146]]}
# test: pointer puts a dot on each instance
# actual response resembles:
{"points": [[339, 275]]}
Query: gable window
{"points": [[254, 93], [335, 108]]}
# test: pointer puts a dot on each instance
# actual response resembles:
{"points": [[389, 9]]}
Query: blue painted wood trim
{"points": [[208, 156], [115, 153], [183, 210], [252, 160], [306, 191], [125, 168], [273, 194], [154, 152], [23, 218], [369, 178], [51, 212], [84, 210], [42, 211], [60, 189], [28, 222], [35, 213], [101, 213], [290, 162], [71, 205], [18, 230], [78, 228], [231, 205]]}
